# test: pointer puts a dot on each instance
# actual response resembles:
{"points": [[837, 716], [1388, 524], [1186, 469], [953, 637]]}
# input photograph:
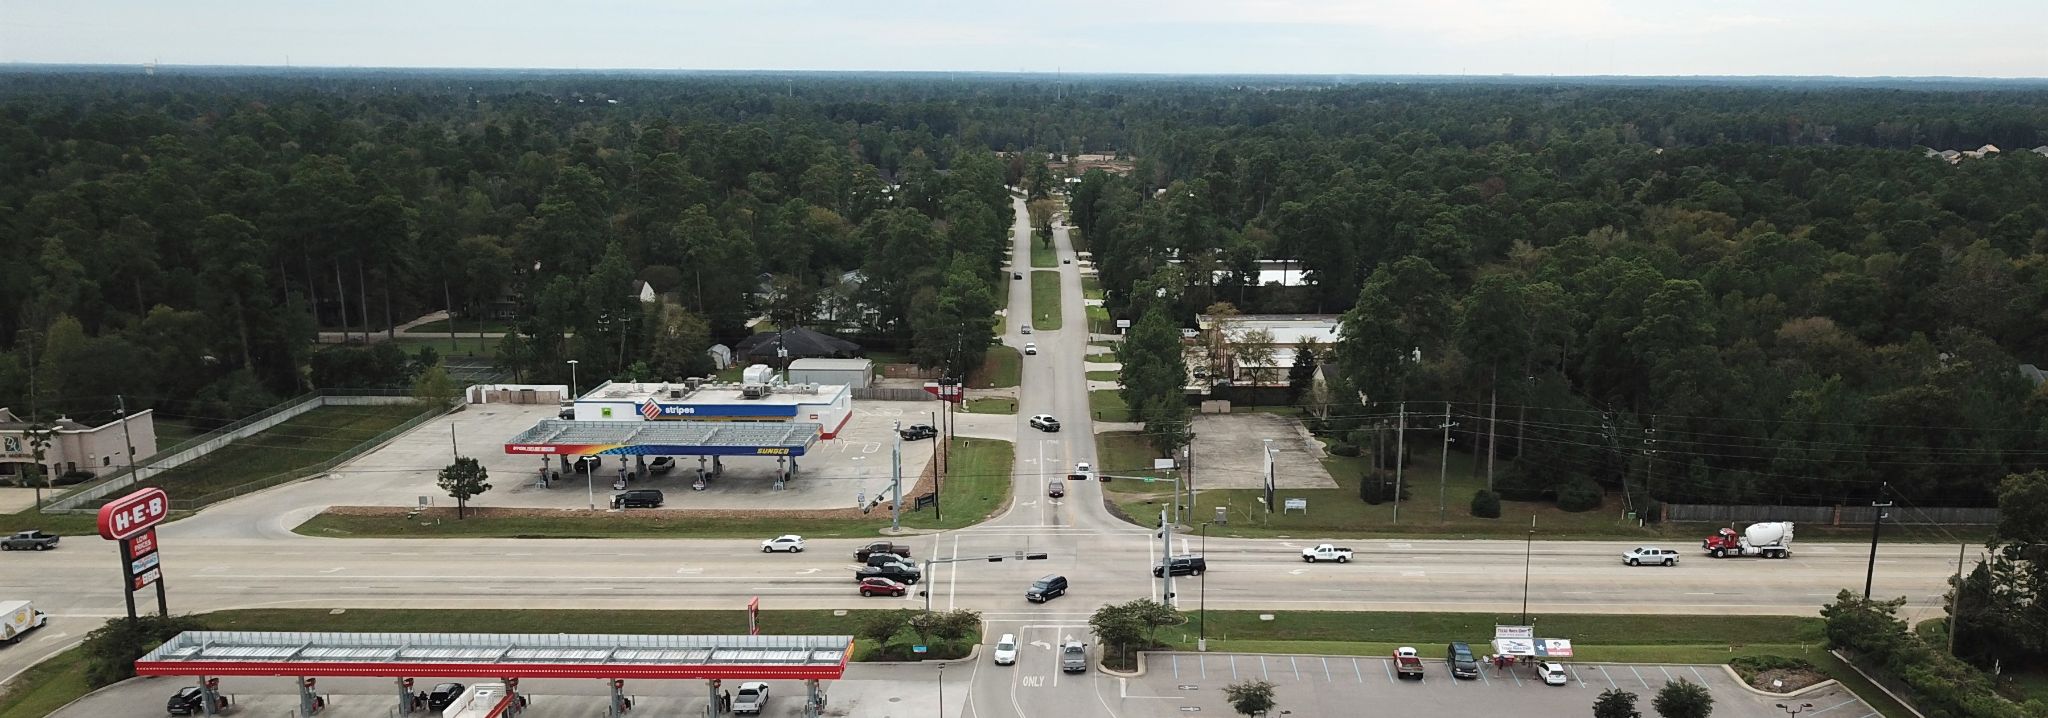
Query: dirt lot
{"points": [[1227, 450]]}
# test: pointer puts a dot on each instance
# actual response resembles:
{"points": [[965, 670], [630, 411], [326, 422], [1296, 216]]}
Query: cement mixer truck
{"points": [[1769, 539]]}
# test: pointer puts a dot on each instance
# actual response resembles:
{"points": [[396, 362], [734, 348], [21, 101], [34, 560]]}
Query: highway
{"points": [[240, 555]]}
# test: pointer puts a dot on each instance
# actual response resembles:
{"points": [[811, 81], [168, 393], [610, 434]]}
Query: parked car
{"points": [[1074, 657], [189, 701], [1046, 588], [637, 499], [878, 586], [661, 465], [915, 432], [1055, 488], [444, 695], [1650, 555], [1460, 659], [751, 699], [861, 554], [1045, 422], [894, 572], [1554, 675], [1191, 565], [1030, 348], [31, 540], [587, 462], [567, 413], [1006, 650], [791, 543], [1025, 330], [1406, 663]]}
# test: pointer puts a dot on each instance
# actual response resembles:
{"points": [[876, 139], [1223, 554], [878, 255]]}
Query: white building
{"points": [[759, 397], [75, 447]]}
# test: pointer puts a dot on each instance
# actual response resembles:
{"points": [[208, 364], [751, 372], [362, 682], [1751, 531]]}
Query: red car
{"points": [[882, 587]]}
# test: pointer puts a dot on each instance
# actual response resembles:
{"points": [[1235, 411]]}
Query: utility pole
{"points": [[127, 437], [1166, 558], [454, 449], [1956, 610], [1400, 457], [1492, 433], [1443, 471], [896, 480], [1876, 525]]}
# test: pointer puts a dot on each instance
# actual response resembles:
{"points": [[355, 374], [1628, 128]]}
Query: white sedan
{"points": [[791, 543], [1030, 348], [1006, 650], [1650, 556]]}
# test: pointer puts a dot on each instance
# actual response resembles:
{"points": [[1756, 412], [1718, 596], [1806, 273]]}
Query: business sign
{"points": [[1554, 648], [652, 411], [142, 564], [146, 578], [133, 514], [143, 543], [1522, 632]]}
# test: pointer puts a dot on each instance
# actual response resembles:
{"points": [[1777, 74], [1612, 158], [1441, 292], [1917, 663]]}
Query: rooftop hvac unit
{"points": [[692, 383], [758, 374], [753, 391], [675, 393]]}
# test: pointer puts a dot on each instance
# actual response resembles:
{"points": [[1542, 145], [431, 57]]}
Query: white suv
{"points": [[791, 543], [1031, 348], [1006, 650]]}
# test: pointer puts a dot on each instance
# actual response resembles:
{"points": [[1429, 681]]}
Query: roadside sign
{"points": [[917, 649], [133, 514]]}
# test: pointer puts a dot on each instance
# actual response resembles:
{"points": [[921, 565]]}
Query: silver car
{"points": [[1074, 657], [1650, 556]]}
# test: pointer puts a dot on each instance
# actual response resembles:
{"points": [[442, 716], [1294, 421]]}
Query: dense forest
{"points": [[1724, 292]]}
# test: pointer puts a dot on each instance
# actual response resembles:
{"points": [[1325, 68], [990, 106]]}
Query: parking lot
{"points": [[1227, 448], [831, 476], [1339, 685]]}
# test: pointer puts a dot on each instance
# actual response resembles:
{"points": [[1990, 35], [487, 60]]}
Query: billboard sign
{"points": [[133, 514]]}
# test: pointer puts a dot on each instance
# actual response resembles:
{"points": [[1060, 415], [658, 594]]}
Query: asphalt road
{"points": [[242, 555]]}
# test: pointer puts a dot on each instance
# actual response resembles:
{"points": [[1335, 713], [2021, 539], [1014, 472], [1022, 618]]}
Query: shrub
{"points": [[1377, 487], [1485, 504], [1345, 449], [1579, 495], [111, 650]]}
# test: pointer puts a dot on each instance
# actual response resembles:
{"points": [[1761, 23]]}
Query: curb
{"points": [[1767, 694], [972, 653], [1120, 674]]}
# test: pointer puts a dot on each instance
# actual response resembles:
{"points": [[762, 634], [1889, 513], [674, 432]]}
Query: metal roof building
{"points": [[498, 655], [665, 438]]}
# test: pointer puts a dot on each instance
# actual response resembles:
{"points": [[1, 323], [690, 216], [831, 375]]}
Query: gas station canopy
{"points": [[498, 655], [665, 438]]}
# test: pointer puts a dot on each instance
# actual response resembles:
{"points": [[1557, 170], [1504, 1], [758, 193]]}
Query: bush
{"points": [[1749, 666], [1485, 504], [1344, 449], [1579, 495], [1377, 487], [111, 650]]}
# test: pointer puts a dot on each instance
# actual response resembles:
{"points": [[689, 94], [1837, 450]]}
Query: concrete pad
{"points": [[1227, 448], [14, 499]]}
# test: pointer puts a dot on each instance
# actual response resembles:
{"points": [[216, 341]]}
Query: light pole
{"points": [[1202, 611], [572, 380], [1796, 710], [942, 690], [1528, 546], [1876, 523]]}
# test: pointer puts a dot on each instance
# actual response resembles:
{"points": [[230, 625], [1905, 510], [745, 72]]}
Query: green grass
{"points": [[1045, 301], [1108, 405], [1099, 316], [990, 405], [1091, 287], [488, 326], [461, 346], [977, 484], [58, 680], [172, 432], [1041, 255], [302, 441], [1002, 368], [1102, 358], [1103, 375], [1615, 638], [1074, 239], [64, 524], [1125, 453]]}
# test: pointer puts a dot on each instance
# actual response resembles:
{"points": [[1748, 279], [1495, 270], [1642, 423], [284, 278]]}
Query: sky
{"points": [[1970, 38]]}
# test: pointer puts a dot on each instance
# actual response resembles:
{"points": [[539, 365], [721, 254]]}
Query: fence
{"points": [[1831, 515], [892, 393], [427, 414], [191, 449]]}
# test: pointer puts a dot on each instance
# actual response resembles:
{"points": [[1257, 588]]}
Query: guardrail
{"points": [[426, 414]]}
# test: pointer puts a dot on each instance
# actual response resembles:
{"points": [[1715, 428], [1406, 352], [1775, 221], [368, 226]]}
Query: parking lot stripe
{"points": [[1296, 665], [1667, 673], [1203, 661], [1701, 676], [1512, 673], [1609, 674], [1326, 671], [1639, 677], [1233, 667], [1832, 707], [1483, 678], [1389, 665], [1267, 675], [1176, 666], [1356, 671]]}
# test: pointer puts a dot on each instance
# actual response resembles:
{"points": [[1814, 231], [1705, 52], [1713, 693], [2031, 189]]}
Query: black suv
{"points": [[1182, 566], [637, 499], [1046, 588], [915, 432], [444, 695], [587, 463], [900, 573], [190, 701], [1463, 665]]}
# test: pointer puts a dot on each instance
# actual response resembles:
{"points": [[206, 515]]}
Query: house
{"points": [[74, 447]]}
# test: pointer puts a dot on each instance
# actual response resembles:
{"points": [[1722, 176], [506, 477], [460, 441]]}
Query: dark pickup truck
{"points": [[897, 572], [29, 541], [861, 554]]}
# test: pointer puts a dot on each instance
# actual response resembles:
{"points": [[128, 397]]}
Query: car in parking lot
{"points": [[1553, 674], [1006, 650], [751, 699], [444, 695], [878, 586], [1055, 488], [791, 543], [661, 465], [1650, 555], [1045, 422], [637, 499], [1460, 660], [1189, 565], [915, 432], [1031, 348], [190, 701]]}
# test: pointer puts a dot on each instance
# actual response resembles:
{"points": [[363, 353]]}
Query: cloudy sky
{"points": [[1990, 38]]}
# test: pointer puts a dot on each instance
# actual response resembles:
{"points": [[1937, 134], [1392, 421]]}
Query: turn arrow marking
{"points": [[1042, 644], [1298, 571], [807, 572]]}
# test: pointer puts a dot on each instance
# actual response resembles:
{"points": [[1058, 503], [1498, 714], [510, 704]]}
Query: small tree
{"points": [[1154, 615], [434, 387], [1683, 699], [1485, 504], [881, 626], [956, 624], [1119, 627], [462, 480], [1250, 698], [1616, 703], [1302, 376]]}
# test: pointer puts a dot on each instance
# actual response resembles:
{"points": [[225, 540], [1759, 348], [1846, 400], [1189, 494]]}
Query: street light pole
{"points": [[1876, 523], [1202, 612], [572, 379], [1528, 546]]}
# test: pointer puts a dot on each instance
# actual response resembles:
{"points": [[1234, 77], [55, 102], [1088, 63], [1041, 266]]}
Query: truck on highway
{"points": [[483, 700], [19, 617], [1326, 552], [860, 555], [1406, 663], [29, 541], [1769, 539]]}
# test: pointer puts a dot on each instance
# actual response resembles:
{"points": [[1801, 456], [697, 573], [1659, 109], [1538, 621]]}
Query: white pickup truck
{"points": [[1326, 552]]}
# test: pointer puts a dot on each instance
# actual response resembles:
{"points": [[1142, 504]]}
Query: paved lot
{"points": [[1227, 450], [1338, 685], [831, 476]]}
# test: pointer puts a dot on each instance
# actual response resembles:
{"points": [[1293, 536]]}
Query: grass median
{"points": [[1043, 256], [1045, 301], [977, 486], [1108, 405]]}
